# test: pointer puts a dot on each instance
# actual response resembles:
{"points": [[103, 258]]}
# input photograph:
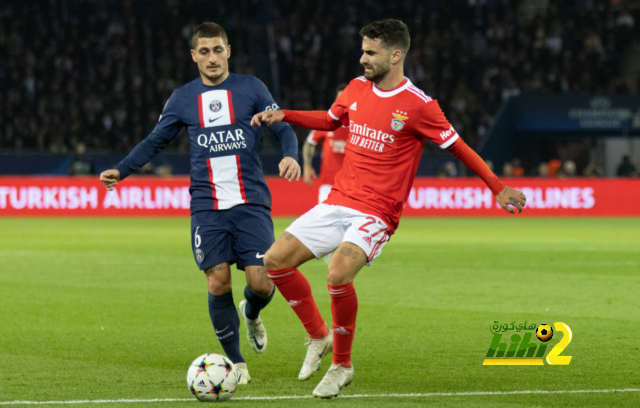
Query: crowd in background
{"points": [[94, 75], [548, 169]]}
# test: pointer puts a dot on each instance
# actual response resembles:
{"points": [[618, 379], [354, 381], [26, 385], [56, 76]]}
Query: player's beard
{"points": [[215, 78], [377, 73]]}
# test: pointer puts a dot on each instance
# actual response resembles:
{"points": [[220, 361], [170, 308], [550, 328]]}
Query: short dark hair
{"points": [[393, 34], [341, 87], [208, 30]]}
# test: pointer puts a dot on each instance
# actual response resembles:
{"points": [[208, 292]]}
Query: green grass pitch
{"points": [[110, 309]]}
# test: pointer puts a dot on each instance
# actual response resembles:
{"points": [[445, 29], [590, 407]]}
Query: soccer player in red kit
{"points": [[333, 143], [389, 122]]}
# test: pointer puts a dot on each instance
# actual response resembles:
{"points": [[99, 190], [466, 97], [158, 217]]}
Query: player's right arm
{"points": [[437, 128], [165, 131], [308, 149], [318, 120]]}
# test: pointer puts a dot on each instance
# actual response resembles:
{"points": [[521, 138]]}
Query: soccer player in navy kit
{"points": [[230, 200]]}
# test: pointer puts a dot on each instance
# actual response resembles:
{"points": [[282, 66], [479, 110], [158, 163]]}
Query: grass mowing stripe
{"points": [[289, 397]]}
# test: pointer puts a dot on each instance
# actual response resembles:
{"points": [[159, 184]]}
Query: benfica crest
{"points": [[397, 123]]}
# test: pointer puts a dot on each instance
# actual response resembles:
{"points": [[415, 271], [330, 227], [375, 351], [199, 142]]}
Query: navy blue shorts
{"points": [[241, 234]]}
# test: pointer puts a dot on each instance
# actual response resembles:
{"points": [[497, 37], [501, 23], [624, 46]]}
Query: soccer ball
{"points": [[544, 333], [212, 378]]}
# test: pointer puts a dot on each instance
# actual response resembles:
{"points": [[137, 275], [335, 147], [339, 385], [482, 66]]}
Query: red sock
{"points": [[344, 308], [296, 289]]}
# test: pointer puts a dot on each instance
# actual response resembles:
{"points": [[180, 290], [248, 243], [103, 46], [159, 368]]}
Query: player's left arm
{"points": [[435, 126], [506, 196], [286, 137]]}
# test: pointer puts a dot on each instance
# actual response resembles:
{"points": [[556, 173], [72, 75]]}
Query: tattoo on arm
{"points": [[287, 236]]}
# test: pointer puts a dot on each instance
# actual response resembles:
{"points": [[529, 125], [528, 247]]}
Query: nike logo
{"points": [[214, 119], [259, 256], [257, 344], [220, 331]]}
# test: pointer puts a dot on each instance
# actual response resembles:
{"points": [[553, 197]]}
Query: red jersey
{"points": [[388, 130], [333, 144]]}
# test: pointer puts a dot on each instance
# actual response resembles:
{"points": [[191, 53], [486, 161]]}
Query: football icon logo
{"points": [[544, 333]]}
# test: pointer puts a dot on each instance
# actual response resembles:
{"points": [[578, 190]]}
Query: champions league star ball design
{"points": [[212, 378], [544, 333]]}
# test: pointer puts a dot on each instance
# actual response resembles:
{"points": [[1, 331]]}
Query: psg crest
{"points": [[397, 124], [215, 106], [199, 256]]}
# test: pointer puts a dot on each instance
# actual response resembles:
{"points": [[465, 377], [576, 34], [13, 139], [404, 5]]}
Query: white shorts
{"points": [[325, 189], [323, 228]]}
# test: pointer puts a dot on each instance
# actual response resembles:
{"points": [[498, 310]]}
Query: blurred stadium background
{"points": [[540, 88]]}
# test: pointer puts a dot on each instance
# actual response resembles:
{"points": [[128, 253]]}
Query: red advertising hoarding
{"points": [[161, 197]]}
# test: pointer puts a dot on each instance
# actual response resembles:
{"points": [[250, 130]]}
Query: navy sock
{"points": [[255, 303], [226, 324]]}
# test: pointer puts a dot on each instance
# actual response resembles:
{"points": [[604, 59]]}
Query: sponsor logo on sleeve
{"points": [[444, 135]]}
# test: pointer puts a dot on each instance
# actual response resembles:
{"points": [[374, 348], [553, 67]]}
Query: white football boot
{"points": [[243, 374], [256, 334], [334, 380], [318, 349]]}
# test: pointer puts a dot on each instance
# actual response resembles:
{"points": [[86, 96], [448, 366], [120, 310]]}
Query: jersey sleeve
{"points": [[434, 126], [475, 163], [316, 136], [340, 109], [264, 101], [168, 126], [283, 133]]}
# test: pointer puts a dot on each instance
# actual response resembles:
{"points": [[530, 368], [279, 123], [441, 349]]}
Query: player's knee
{"points": [[272, 261], [336, 276], [263, 288], [218, 284], [219, 288]]}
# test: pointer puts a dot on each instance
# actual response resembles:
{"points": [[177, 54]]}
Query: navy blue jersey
{"points": [[225, 170]]}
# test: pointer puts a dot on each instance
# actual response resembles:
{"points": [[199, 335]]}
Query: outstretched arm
{"points": [[139, 156], [318, 120], [165, 131], [506, 196]]}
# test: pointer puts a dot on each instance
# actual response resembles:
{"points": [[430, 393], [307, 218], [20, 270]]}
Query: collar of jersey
{"points": [[225, 82], [393, 92]]}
